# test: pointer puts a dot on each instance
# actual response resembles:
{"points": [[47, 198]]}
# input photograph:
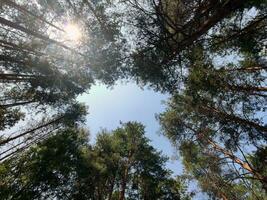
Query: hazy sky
{"points": [[107, 107]]}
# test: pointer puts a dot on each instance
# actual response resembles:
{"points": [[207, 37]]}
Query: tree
{"points": [[215, 174], [50, 171], [207, 54], [134, 169], [40, 75], [212, 149], [65, 166], [164, 33], [69, 117], [42, 71]]}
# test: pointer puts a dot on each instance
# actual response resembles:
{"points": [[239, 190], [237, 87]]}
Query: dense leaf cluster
{"points": [[121, 165]]}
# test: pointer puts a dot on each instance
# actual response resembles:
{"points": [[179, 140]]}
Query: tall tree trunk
{"points": [[36, 34], [124, 183], [223, 196], [244, 165], [16, 77], [247, 89], [125, 174], [15, 47], [111, 188], [22, 9], [202, 136], [17, 104], [31, 131], [6, 156], [223, 10], [246, 69], [251, 27], [223, 116]]}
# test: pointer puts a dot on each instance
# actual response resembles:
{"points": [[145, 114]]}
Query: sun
{"points": [[73, 32]]}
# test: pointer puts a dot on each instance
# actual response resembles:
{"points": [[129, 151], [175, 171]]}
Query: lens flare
{"points": [[73, 33]]}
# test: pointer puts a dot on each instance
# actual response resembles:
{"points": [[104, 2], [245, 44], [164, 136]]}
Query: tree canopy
{"points": [[121, 165], [208, 55]]}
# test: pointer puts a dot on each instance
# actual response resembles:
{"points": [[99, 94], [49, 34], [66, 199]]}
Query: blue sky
{"points": [[128, 102]]}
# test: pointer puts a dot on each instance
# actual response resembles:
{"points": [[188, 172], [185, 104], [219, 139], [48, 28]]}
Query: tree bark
{"points": [[246, 69], [247, 89], [22, 9], [125, 175], [36, 34], [17, 104], [30, 131], [246, 166], [202, 136], [111, 188], [24, 147], [16, 77], [123, 184], [223, 116], [223, 10]]}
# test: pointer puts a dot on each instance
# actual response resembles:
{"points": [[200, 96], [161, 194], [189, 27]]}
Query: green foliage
{"points": [[66, 166], [258, 160], [46, 170], [207, 54], [9, 117]]}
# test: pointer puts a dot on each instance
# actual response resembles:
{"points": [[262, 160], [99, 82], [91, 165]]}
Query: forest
{"points": [[208, 56]]}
